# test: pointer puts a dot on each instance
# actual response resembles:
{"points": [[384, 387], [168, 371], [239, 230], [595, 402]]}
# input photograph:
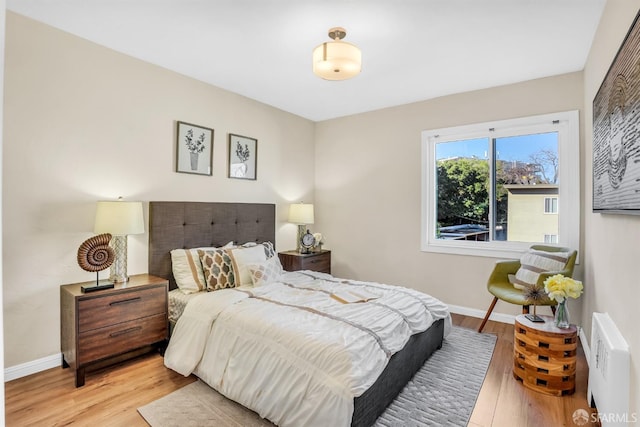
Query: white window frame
{"points": [[551, 204], [565, 123]]}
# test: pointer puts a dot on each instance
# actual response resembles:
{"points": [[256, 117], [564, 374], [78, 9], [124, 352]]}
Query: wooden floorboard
{"points": [[111, 395]]}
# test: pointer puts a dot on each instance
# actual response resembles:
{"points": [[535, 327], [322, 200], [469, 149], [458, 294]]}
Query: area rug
{"points": [[442, 393]]}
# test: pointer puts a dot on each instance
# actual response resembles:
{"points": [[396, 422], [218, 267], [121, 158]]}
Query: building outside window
{"points": [[527, 222]]}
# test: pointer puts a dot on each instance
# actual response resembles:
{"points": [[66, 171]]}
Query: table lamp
{"points": [[301, 214], [120, 219]]}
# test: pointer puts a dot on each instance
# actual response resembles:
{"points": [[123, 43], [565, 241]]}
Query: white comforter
{"points": [[292, 353]]}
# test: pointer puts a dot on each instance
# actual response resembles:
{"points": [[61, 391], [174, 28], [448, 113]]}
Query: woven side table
{"points": [[544, 356]]}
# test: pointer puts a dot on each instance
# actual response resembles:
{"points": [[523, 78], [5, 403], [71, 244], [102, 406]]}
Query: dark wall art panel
{"points": [[616, 132]]}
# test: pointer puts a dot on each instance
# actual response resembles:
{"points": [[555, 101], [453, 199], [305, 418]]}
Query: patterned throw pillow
{"points": [[241, 257], [533, 263], [187, 269], [269, 249], [218, 269], [266, 272], [227, 268]]}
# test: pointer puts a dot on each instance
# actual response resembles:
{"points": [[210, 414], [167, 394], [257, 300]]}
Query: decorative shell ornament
{"points": [[95, 254]]}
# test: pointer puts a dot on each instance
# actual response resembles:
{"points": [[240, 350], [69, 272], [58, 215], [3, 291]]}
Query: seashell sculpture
{"points": [[95, 254]]}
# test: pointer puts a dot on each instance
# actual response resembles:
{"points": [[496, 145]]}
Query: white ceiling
{"points": [[412, 50]]}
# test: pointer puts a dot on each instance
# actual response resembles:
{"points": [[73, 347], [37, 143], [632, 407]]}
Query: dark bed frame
{"points": [[174, 225]]}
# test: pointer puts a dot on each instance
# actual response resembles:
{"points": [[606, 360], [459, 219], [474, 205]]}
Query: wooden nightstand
{"points": [[316, 261], [545, 356], [97, 326]]}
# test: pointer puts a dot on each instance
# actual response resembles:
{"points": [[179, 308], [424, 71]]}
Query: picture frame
{"points": [[194, 149], [616, 132], [243, 157]]}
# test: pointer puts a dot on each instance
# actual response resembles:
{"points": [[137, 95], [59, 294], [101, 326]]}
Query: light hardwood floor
{"points": [[111, 395]]}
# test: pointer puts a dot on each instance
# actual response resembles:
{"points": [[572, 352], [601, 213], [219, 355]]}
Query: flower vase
{"points": [[562, 315], [194, 161]]}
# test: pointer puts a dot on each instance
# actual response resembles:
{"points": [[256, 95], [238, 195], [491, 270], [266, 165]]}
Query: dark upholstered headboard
{"points": [[175, 225]]}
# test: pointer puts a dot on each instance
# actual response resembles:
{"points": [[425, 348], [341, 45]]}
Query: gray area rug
{"points": [[442, 393]]}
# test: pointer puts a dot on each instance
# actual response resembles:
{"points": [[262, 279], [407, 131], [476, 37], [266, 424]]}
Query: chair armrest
{"points": [[502, 269]]}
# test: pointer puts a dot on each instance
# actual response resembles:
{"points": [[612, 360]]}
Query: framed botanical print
{"points": [[243, 157], [194, 149]]}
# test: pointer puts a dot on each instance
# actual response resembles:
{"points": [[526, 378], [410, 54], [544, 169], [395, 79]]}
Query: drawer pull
{"points": [[124, 301], [125, 331], [314, 261]]}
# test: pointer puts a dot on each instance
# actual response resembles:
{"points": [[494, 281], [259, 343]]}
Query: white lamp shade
{"points": [[119, 218], [337, 60], [301, 213]]}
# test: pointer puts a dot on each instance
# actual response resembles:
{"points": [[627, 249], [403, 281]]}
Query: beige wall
{"points": [[611, 241], [84, 123], [368, 174]]}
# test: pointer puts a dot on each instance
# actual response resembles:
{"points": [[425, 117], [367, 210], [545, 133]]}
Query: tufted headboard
{"points": [[175, 225]]}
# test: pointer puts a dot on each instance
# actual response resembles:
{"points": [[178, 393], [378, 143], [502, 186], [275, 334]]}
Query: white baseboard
{"points": [[35, 366], [474, 312]]}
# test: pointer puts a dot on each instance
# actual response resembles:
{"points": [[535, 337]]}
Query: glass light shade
{"points": [[119, 218], [301, 213], [337, 60]]}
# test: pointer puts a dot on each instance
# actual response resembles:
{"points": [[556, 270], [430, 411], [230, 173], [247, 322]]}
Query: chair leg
{"points": [[493, 304]]}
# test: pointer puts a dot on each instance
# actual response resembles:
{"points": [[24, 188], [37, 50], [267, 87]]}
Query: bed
{"points": [[203, 224]]}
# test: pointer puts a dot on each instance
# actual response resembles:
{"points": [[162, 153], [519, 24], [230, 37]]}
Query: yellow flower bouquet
{"points": [[560, 288]]}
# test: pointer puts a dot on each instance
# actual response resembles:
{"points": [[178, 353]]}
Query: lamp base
{"points": [[118, 271], [118, 279], [301, 231]]}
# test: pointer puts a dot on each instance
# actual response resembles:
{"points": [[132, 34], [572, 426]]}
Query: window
{"points": [[484, 185], [551, 205]]}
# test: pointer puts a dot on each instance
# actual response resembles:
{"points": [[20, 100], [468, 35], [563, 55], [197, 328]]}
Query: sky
{"points": [[509, 148]]}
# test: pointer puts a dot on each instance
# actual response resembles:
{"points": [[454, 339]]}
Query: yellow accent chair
{"points": [[501, 288]]}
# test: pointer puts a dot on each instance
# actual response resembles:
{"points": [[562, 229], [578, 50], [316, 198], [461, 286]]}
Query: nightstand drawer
{"points": [[103, 342], [122, 307], [111, 322], [316, 263]]}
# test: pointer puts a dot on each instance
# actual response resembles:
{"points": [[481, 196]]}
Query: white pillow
{"points": [[241, 258], [533, 263], [266, 272], [187, 269]]}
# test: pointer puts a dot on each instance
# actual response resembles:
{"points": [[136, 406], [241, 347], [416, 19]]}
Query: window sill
{"points": [[504, 250]]}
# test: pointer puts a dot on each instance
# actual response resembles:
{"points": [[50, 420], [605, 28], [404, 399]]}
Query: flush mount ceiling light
{"points": [[337, 60]]}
